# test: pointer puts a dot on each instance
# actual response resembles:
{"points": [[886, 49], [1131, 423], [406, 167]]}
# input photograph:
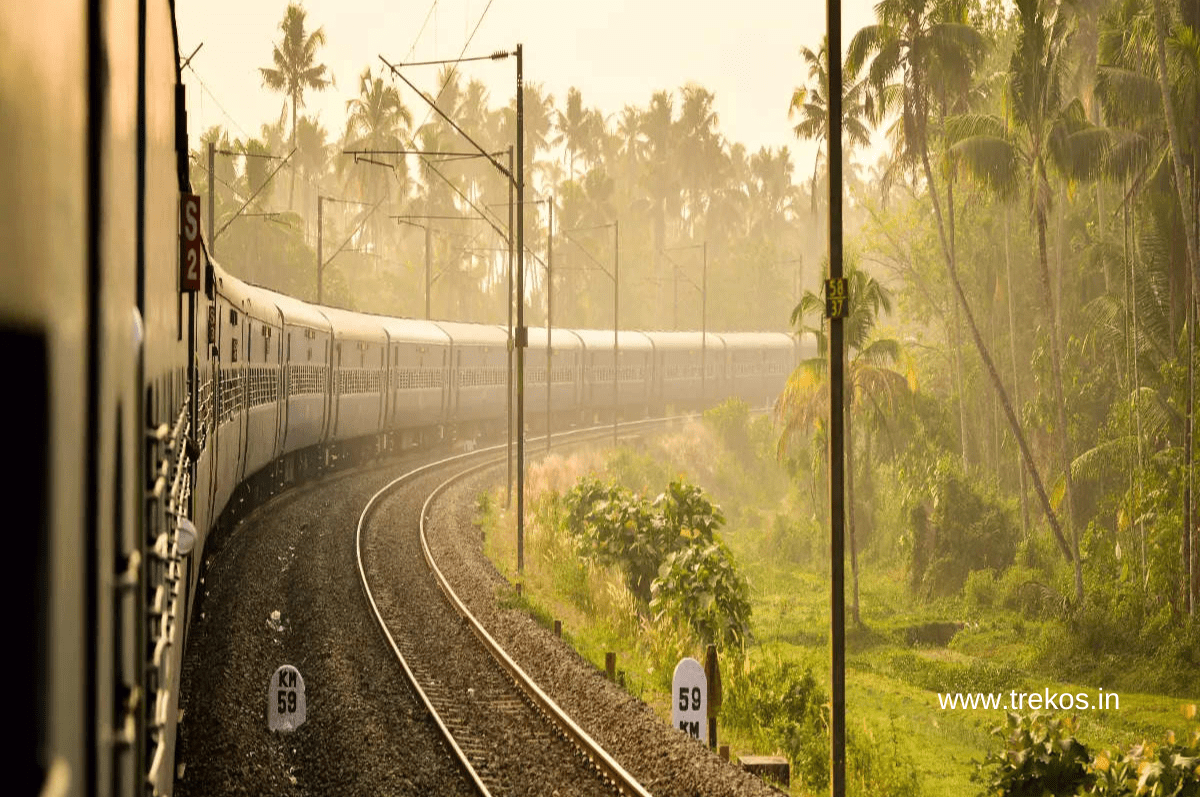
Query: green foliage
{"points": [[781, 703], [967, 530], [1041, 757], [702, 585], [951, 676], [668, 552], [731, 421], [980, 588]]}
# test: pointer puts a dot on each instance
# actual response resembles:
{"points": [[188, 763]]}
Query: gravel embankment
{"points": [[366, 733], [512, 747], [665, 761]]}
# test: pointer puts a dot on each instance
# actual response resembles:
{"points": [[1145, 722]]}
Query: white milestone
{"points": [[689, 698], [285, 700]]}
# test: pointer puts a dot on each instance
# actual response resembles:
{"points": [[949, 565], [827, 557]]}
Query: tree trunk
{"points": [[850, 524], [292, 188], [990, 366], [1012, 348], [1056, 365], [957, 353]]}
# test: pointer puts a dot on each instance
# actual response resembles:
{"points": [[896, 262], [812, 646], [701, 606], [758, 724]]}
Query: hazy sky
{"points": [[616, 52]]}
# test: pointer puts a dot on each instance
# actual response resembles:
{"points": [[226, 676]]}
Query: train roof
{"points": [[674, 341], [758, 340], [561, 338], [478, 334], [249, 299], [298, 313], [414, 330], [355, 326], [602, 339]]}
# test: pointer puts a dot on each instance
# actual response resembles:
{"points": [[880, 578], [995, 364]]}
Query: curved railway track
{"points": [[509, 735], [287, 586]]}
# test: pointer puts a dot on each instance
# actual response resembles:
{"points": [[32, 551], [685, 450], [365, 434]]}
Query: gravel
{"points": [[512, 747], [283, 589], [664, 760], [365, 733]]}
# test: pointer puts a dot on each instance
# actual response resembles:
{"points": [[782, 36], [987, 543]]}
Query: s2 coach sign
{"points": [[189, 243]]}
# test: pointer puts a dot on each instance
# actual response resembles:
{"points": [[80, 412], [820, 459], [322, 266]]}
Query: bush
{"points": [[668, 552], [980, 589], [731, 421], [780, 703], [1041, 757], [701, 585], [967, 529]]}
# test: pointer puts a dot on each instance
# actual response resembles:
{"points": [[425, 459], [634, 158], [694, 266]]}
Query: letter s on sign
{"points": [[191, 223]]}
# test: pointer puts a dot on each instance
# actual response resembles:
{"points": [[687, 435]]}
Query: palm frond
{"points": [[1107, 459], [993, 161]]}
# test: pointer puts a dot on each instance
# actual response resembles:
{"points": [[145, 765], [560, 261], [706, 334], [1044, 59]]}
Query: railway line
{"points": [[508, 741], [300, 574]]}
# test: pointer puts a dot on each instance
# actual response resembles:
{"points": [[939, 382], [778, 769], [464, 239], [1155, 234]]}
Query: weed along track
{"points": [[511, 739]]}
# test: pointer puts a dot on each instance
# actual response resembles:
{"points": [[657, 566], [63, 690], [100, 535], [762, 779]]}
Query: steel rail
{"points": [[599, 757]]}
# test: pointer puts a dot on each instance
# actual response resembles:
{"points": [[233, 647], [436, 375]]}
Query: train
{"points": [[142, 418]]}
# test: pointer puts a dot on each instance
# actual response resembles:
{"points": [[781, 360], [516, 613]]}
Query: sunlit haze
{"points": [[616, 53]]}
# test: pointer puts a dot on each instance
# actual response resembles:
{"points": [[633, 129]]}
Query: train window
{"points": [[232, 316], [289, 346], [233, 349], [212, 323]]}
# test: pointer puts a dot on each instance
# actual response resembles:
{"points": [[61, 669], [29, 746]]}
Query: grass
{"points": [[895, 722]]}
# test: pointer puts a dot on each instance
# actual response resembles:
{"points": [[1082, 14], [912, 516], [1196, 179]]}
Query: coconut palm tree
{"points": [[873, 385], [574, 124], [1048, 133], [296, 70], [377, 119], [907, 44], [810, 105]]}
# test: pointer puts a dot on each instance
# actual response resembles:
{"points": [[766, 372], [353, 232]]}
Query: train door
{"points": [[283, 355], [213, 339], [456, 387], [335, 406], [247, 378]]}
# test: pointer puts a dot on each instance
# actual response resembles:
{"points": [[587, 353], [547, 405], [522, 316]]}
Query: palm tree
{"points": [[699, 147], [1173, 135], [574, 126], [909, 42], [873, 385], [295, 69], [811, 104], [1048, 131], [377, 119]]}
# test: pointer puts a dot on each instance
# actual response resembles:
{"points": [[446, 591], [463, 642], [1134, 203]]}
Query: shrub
{"points": [[980, 589], [731, 421], [968, 529], [780, 702], [701, 585], [668, 552], [1040, 759]]}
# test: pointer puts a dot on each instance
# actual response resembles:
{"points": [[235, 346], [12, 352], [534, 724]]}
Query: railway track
{"points": [[510, 737], [286, 587]]}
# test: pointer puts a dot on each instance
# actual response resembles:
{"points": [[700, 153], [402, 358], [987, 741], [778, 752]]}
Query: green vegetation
{"points": [[1000, 622]]}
